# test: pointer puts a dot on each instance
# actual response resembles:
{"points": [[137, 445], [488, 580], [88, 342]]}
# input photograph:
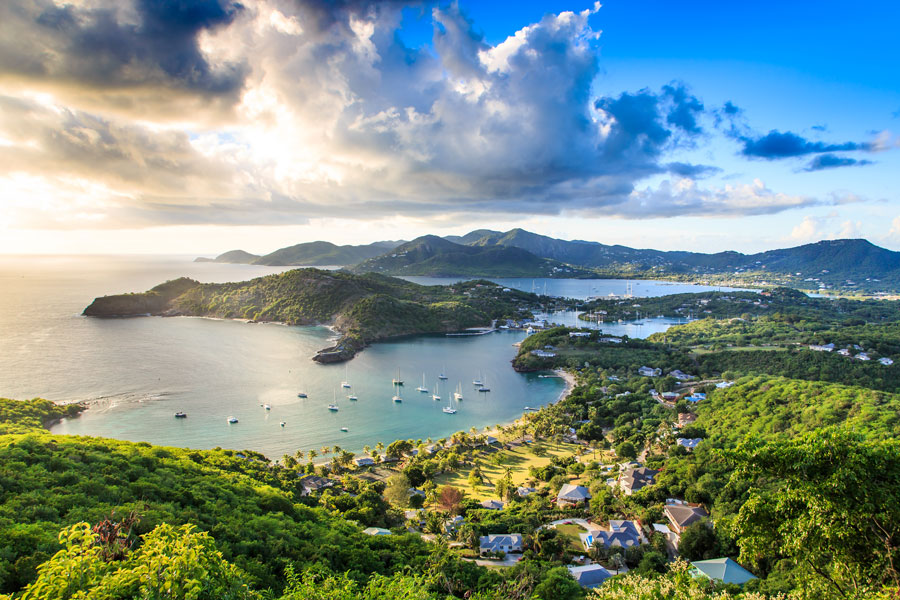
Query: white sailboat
{"points": [[477, 382], [422, 387], [442, 377], [398, 381], [449, 408], [484, 388], [436, 396], [457, 395], [346, 382], [333, 407], [397, 397]]}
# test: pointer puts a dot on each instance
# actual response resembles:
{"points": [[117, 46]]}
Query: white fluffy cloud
{"points": [[278, 111]]}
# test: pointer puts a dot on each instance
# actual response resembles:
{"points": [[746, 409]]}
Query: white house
{"points": [[886, 361], [506, 543], [648, 372], [689, 443], [572, 495], [364, 461]]}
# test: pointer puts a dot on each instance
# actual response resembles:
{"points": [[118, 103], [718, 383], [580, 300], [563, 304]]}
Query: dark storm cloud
{"points": [[775, 145], [832, 161], [118, 46]]}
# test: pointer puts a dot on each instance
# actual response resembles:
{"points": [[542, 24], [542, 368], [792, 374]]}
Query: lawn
{"points": [[518, 459], [571, 532]]}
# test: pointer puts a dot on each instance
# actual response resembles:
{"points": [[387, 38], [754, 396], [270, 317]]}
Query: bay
{"points": [[135, 373]]}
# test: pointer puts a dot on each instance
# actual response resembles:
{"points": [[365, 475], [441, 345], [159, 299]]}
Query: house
{"points": [[680, 375], [312, 484], [724, 384], [415, 516], [633, 480], [682, 515], [572, 495], [364, 461], [506, 543], [376, 531], [451, 525], [886, 361], [611, 340], [689, 443], [686, 419], [579, 334], [671, 536], [648, 372], [844, 352], [525, 491], [416, 492], [698, 395], [722, 569], [493, 504], [624, 534], [589, 576], [862, 356], [543, 353], [818, 348]]}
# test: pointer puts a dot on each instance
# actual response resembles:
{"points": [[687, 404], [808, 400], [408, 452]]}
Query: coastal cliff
{"points": [[362, 308]]}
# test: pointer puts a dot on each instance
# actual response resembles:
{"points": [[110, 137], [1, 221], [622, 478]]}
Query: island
{"points": [[363, 308]]}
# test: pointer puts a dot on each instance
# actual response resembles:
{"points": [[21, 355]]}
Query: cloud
{"points": [[128, 55], [776, 145], [145, 112], [811, 229], [832, 161]]}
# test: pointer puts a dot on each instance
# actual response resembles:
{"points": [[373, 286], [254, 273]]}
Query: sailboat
{"points": [[457, 395], [477, 381], [232, 420], [333, 407], [442, 376], [398, 381], [353, 397], [422, 387], [449, 408], [302, 395], [346, 382], [436, 395], [484, 388], [397, 397]]}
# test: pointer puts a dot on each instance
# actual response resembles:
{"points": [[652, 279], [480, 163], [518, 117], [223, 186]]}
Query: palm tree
{"points": [[367, 449], [337, 450], [324, 450], [311, 454], [379, 447], [299, 455]]}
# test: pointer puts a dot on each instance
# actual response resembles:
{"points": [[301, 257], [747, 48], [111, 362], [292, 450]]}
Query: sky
{"points": [[200, 126]]}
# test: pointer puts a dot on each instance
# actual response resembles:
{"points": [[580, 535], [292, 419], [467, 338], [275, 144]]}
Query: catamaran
{"points": [[484, 388], [398, 381], [346, 382], [436, 395], [477, 382], [397, 397], [333, 406], [457, 395], [422, 387], [353, 397]]}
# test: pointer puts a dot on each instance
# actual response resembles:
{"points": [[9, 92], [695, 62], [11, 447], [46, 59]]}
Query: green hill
{"points": [[364, 308], [323, 254], [430, 255]]}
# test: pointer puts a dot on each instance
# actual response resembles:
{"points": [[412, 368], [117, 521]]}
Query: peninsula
{"points": [[363, 308]]}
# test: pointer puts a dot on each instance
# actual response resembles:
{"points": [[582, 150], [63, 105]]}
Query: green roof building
{"points": [[723, 569]]}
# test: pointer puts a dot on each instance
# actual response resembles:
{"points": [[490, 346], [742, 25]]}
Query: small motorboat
{"points": [[302, 395], [232, 420], [484, 389], [333, 407], [449, 411], [267, 407], [353, 397], [282, 423], [344, 429], [181, 415]]}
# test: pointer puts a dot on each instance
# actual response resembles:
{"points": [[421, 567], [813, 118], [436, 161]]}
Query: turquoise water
{"points": [[136, 373]]}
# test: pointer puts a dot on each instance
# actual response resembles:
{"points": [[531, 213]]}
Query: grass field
{"points": [[739, 349], [518, 459], [570, 532]]}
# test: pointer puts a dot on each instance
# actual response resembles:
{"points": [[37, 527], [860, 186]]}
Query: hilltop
{"points": [[430, 255], [847, 265], [363, 308]]}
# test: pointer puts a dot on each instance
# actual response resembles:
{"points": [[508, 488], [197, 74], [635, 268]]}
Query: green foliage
{"points": [[21, 416], [170, 563], [831, 504], [676, 584]]}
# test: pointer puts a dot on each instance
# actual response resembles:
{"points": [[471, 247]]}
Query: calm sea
{"points": [[137, 372]]}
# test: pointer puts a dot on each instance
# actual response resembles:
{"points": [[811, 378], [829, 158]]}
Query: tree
{"points": [[397, 490], [832, 506], [626, 450], [449, 499], [699, 542], [475, 477], [558, 584]]}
